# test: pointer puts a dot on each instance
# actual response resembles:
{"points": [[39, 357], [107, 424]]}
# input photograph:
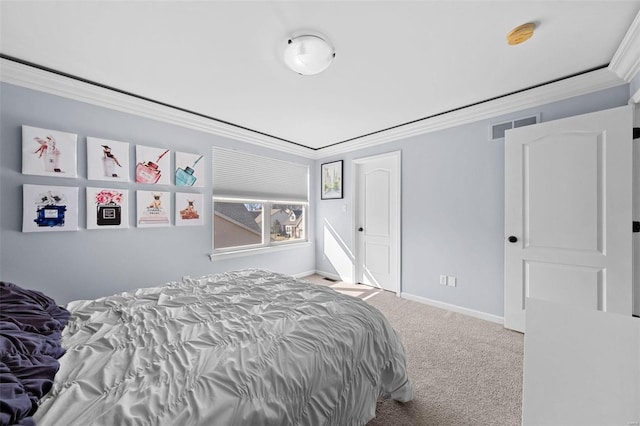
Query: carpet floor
{"points": [[464, 370]]}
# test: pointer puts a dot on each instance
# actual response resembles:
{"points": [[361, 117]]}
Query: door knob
{"points": [[361, 229], [513, 239]]}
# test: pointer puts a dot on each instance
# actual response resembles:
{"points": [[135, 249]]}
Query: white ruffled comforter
{"points": [[242, 348]]}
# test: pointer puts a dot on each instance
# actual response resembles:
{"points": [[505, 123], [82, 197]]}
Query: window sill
{"points": [[259, 250]]}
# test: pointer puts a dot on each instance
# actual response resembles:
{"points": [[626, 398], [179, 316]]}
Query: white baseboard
{"points": [[303, 274], [454, 308]]}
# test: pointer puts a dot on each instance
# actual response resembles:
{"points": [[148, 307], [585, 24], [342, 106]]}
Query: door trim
{"points": [[636, 208], [396, 156]]}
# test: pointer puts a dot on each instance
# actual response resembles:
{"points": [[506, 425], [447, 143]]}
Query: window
{"points": [[287, 223], [258, 202], [236, 224], [242, 226]]}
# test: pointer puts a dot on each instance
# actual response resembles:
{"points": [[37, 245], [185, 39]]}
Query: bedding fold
{"points": [[30, 332]]}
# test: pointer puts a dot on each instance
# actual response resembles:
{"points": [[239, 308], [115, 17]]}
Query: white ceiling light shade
{"points": [[308, 54]]}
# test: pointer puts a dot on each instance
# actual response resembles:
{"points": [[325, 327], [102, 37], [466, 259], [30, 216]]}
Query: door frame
{"points": [[636, 208], [396, 225]]}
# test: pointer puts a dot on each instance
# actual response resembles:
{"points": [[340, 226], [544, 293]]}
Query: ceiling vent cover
{"points": [[496, 131]]}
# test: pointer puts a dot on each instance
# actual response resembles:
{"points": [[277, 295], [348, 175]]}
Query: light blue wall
{"points": [[452, 207], [90, 263]]}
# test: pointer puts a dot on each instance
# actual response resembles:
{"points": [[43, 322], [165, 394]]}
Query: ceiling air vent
{"points": [[496, 131]]}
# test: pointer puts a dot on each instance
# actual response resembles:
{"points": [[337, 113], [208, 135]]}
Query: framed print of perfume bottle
{"points": [[49, 152], [107, 160], [153, 208], [189, 209], [152, 165], [107, 208], [49, 208], [189, 170]]}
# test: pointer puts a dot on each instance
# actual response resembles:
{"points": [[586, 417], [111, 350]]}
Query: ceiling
{"points": [[397, 62]]}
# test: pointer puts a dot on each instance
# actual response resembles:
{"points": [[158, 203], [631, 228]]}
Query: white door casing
{"points": [[377, 220], [568, 206], [636, 213]]}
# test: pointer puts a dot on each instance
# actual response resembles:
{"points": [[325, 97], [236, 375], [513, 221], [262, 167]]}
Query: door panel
{"points": [[568, 209], [579, 286], [377, 258], [551, 218], [377, 200], [377, 217]]}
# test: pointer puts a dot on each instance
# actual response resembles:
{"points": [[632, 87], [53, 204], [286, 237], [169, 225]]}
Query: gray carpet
{"points": [[465, 371]]}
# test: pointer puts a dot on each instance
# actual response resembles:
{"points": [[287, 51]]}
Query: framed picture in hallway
{"points": [[331, 180]]}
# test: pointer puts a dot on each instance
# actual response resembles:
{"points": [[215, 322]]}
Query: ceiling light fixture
{"points": [[308, 54], [521, 33]]}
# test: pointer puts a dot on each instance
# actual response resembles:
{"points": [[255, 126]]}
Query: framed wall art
{"points": [[49, 152], [189, 170], [331, 180], [189, 209], [107, 208], [152, 165], [153, 208], [49, 208], [107, 160]]}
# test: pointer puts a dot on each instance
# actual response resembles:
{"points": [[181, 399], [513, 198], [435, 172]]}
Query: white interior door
{"points": [[377, 219], [568, 214]]}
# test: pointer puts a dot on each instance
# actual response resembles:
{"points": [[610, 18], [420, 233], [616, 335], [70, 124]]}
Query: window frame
{"points": [[266, 245]]}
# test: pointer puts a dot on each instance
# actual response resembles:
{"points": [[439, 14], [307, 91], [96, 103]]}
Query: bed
{"points": [[248, 347]]}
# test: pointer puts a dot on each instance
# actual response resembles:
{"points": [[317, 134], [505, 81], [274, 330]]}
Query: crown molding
{"points": [[582, 84], [626, 61], [45, 81]]}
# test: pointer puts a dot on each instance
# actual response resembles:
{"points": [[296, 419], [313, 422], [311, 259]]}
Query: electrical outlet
{"points": [[451, 281], [443, 280]]}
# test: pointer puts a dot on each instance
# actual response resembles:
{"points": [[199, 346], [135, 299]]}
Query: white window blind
{"points": [[238, 174]]}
